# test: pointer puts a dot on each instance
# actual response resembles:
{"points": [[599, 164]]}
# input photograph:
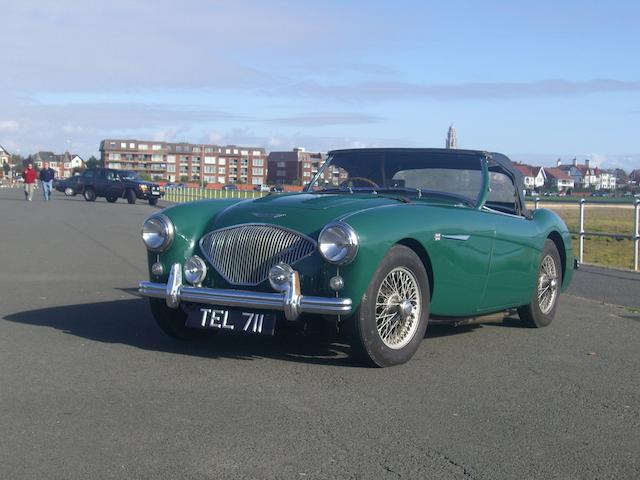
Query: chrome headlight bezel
{"points": [[338, 243], [161, 226]]}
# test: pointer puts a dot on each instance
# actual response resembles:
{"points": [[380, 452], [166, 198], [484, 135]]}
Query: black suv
{"points": [[113, 184]]}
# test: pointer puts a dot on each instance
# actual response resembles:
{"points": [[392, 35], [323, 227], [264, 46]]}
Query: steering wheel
{"points": [[347, 183]]}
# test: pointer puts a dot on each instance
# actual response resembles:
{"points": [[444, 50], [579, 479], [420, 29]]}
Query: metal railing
{"points": [[187, 194], [582, 233]]}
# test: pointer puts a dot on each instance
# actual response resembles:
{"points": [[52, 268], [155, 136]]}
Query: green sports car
{"points": [[380, 241]]}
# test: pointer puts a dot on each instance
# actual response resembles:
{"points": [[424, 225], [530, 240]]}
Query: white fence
{"points": [[186, 194]]}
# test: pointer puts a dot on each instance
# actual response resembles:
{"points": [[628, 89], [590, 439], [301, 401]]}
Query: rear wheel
{"points": [[544, 301], [153, 201], [171, 321], [90, 195], [131, 197], [388, 327], [112, 199]]}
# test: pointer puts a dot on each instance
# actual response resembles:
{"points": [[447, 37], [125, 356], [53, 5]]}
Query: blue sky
{"points": [[535, 80]]}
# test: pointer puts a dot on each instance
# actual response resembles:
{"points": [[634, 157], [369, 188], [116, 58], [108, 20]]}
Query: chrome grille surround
{"points": [[244, 254]]}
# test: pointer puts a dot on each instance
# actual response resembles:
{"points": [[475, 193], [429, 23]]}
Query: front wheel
{"points": [[391, 322], [171, 321], [69, 192], [544, 301]]}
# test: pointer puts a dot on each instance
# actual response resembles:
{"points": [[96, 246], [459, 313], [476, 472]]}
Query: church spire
{"points": [[452, 140]]}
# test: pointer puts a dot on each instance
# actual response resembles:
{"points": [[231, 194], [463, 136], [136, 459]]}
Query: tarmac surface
{"points": [[90, 387]]}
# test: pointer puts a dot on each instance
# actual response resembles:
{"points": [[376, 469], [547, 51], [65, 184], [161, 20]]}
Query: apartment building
{"points": [[186, 161], [299, 167]]}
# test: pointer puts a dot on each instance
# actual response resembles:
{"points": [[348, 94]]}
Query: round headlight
{"points": [[280, 276], [157, 233], [195, 270], [338, 243]]}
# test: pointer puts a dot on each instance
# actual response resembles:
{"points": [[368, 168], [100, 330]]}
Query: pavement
{"points": [[90, 388]]}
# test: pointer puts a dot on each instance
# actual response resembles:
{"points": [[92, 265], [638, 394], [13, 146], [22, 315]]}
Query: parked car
{"points": [[230, 186], [261, 188], [411, 236], [113, 184], [277, 189], [70, 186]]}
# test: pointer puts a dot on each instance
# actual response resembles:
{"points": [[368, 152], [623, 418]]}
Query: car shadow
{"points": [[129, 322]]}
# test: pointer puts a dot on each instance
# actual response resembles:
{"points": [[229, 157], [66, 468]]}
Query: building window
{"points": [[210, 160], [306, 174], [156, 147], [257, 152], [123, 145], [281, 164], [257, 180], [221, 180], [132, 145], [209, 169], [257, 171], [258, 162], [306, 165], [171, 158], [228, 151], [281, 173], [156, 157], [221, 170], [112, 144], [171, 168], [114, 156], [235, 151], [208, 149], [244, 152], [222, 161], [195, 149]]}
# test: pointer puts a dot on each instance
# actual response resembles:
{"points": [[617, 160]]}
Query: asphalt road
{"points": [[90, 388]]}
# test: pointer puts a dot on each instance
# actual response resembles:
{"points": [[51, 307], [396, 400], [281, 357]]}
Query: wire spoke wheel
{"points": [[398, 307], [547, 284]]}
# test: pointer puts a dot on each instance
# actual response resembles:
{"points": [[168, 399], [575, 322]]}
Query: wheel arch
{"points": [[556, 238], [422, 253]]}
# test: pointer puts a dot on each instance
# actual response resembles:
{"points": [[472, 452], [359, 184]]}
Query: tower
{"points": [[452, 140]]}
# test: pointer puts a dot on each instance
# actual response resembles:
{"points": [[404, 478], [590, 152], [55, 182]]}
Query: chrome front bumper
{"points": [[291, 301]]}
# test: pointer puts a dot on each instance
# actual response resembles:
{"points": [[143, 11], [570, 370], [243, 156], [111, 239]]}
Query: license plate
{"points": [[155, 192], [255, 323]]}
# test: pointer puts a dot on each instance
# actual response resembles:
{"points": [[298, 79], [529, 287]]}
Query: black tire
{"points": [[153, 201], [171, 321], [112, 199], [540, 313], [366, 341], [89, 195], [131, 197]]}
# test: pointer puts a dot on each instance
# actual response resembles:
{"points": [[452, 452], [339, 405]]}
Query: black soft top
{"points": [[457, 158]]}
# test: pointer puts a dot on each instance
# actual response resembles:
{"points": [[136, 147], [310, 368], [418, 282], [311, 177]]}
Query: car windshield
{"points": [[406, 172], [127, 175]]}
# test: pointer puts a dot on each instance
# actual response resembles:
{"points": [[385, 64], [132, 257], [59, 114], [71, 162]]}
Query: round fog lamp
{"points": [[195, 270], [280, 276], [336, 283], [157, 269]]}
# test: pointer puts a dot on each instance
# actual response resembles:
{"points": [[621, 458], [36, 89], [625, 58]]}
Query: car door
{"points": [[514, 255], [113, 185]]}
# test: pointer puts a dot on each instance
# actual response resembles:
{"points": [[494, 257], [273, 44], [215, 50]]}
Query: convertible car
{"points": [[380, 242]]}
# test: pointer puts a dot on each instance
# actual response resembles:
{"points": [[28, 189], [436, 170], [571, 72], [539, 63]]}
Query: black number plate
{"points": [[255, 323]]}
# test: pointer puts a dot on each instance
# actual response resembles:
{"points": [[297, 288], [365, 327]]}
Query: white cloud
{"points": [[9, 125]]}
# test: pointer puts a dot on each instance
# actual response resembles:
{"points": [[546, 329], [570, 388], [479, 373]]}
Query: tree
{"points": [[184, 178], [92, 162]]}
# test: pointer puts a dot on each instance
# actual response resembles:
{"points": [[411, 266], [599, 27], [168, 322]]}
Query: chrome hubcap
{"points": [[547, 284], [398, 307]]}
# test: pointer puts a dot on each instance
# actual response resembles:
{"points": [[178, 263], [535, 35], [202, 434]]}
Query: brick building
{"points": [[63, 164], [5, 157], [299, 167], [179, 161]]}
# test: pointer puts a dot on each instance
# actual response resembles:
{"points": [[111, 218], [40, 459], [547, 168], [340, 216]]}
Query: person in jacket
{"points": [[29, 175], [46, 178]]}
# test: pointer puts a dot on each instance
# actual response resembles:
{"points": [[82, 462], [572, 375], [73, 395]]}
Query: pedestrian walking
{"points": [[29, 176], [46, 178]]}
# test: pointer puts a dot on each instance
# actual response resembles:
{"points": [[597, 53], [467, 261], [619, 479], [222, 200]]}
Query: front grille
{"points": [[243, 255]]}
